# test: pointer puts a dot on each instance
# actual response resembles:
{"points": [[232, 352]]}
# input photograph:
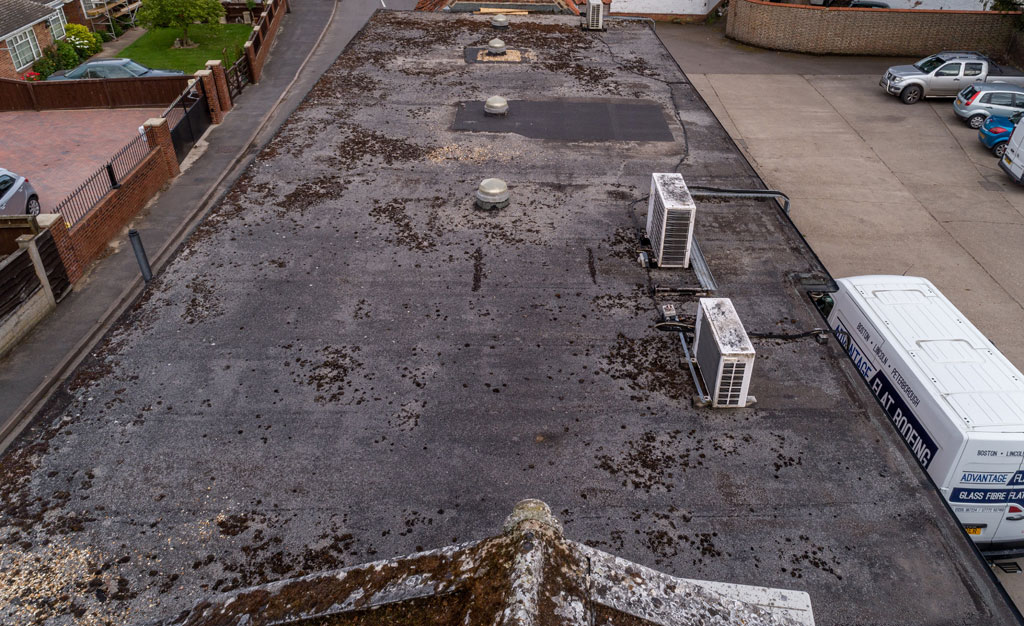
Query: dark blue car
{"points": [[996, 131]]}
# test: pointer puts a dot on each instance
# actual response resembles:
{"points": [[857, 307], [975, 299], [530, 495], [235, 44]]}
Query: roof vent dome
{"points": [[492, 194], [496, 105], [499, 21], [496, 47]]}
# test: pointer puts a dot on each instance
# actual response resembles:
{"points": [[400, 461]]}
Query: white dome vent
{"points": [[496, 105], [499, 21], [492, 194], [496, 47]]}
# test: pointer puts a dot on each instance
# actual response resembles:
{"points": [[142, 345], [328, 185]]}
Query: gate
{"points": [[188, 118], [238, 76]]}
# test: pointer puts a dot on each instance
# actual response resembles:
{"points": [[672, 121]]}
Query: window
{"points": [[23, 48], [972, 69], [1018, 101], [6, 182], [57, 22], [1001, 98], [949, 69]]}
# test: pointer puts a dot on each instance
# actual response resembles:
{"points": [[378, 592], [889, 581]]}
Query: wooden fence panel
{"points": [[90, 94], [15, 95], [18, 281], [56, 274]]}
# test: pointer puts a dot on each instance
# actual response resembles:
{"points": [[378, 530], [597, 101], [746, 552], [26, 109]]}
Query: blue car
{"points": [[996, 131]]}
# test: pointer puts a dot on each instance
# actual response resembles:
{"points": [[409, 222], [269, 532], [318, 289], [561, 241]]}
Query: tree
{"points": [[179, 13]]}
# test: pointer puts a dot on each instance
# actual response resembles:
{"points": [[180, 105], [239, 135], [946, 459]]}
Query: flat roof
{"points": [[347, 361]]}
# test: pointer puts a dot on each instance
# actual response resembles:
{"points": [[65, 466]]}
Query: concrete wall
{"points": [[802, 28], [24, 319]]}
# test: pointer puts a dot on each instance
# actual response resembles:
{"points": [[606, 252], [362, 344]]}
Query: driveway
{"points": [[58, 150], [878, 187]]}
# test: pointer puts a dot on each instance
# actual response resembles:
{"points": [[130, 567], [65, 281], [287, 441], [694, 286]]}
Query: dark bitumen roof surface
{"points": [[16, 14], [348, 362]]}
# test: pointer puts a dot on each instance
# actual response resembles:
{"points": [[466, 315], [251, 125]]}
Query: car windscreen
{"points": [[1015, 118], [77, 72], [135, 68], [929, 64]]}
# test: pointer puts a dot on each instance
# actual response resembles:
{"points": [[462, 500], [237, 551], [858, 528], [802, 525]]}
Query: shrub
{"points": [[104, 35], [32, 76], [63, 55], [84, 42], [45, 66]]}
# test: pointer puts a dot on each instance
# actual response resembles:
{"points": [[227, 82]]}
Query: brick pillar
{"points": [[254, 66], [65, 246], [220, 78], [158, 136], [212, 97]]}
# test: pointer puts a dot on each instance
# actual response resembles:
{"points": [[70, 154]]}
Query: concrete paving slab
{"points": [[876, 167]]}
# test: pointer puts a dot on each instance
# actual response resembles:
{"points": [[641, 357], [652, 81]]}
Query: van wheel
{"points": [[975, 121], [911, 94], [999, 150]]}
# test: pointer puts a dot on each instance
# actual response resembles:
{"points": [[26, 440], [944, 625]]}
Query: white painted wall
{"points": [[672, 7], [703, 7]]}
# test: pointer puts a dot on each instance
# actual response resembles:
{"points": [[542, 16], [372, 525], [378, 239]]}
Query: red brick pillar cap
{"points": [[247, 44], [202, 73], [213, 62], [154, 122]]}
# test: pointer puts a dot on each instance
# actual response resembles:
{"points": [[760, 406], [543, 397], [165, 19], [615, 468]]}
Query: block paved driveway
{"points": [[58, 150], [878, 187]]}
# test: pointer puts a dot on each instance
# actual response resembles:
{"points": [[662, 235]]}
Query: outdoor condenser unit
{"points": [[595, 15], [670, 213], [723, 352]]}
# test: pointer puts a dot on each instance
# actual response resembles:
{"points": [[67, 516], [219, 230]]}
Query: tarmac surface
{"points": [[348, 361]]}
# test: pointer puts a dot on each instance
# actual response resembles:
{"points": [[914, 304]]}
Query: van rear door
{"points": [[987, 490], [1013, 158]]}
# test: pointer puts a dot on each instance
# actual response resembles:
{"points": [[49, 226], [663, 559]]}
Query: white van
{"points": [[1013, 159], [951, 395]]}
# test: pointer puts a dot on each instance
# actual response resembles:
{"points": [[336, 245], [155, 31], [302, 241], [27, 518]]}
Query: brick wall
{"points": [[75, 14], [258, 57], [86, 241], [7, 69], [895, 32]]}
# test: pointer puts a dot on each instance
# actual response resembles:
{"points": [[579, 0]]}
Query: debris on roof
{"points": [[529, 574]]}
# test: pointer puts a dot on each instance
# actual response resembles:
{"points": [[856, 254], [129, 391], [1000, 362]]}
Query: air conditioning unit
{"points": [[595, 15], [670, 213], [723, 352]]}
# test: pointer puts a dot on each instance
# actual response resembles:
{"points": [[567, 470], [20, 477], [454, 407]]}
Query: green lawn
{"points": [[154, 48]]}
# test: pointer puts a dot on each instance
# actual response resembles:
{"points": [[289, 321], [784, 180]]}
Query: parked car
{"points": [[17, 196], [945, 74], [976, 103], [111, 68], [995, 133]]}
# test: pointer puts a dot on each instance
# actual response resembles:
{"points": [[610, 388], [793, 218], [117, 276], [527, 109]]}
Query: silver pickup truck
{"points": [[945, 74]]}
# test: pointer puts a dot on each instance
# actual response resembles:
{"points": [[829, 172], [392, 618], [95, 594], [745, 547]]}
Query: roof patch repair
{"points": [[570, 120]]}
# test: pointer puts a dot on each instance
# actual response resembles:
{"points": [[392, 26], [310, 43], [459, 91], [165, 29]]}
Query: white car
{"points": [[17, 196]]}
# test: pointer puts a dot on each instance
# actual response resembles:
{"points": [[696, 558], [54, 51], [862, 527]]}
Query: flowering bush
{"points": [[84, 42], [30, 75]]}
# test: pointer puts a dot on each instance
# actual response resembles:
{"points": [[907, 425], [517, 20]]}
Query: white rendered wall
{"points": [[672, 7]]}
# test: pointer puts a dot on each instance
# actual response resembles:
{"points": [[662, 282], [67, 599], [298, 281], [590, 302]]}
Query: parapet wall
{"points": [[884, 32]]}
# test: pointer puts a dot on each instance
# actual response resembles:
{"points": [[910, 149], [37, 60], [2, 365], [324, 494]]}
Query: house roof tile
{"points": [[16, 14]]}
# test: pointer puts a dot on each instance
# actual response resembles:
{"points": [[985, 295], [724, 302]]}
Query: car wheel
{"points": [[975, 121], [911, 94], [32, 208], [999, 149]]}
